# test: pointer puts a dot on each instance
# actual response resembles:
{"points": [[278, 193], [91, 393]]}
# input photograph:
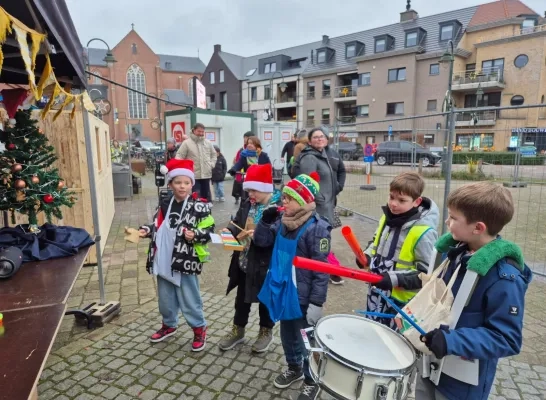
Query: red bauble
{"points": [[48, 198], [20, 184], [11, 146]]}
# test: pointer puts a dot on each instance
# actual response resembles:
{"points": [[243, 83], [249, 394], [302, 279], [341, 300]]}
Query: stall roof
{"points": [[55, 20]]}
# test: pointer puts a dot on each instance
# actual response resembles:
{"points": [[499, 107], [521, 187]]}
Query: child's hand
{"points": [[142, 233], [250, 233], [189, 235]]}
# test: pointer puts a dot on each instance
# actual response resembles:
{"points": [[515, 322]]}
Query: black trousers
{"points": [[242, 309], [202, 187]]}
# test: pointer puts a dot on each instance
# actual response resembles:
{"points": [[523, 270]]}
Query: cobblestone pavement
{"points": [[118, 361]]}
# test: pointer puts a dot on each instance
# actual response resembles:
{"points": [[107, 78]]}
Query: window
{"points": [[168, 65], [431, 105], [380, 45], [223, 100], [325, 116], [429, 139], [267, 92], [211, 78], [190, 89], [326, 88], [310, 118], [253, 94], [411, 39], [521, 61], [134, 48], [350, 50], [395, 108], [310, 90], [528, 24], [365, 79], [434, 69], [397, 74], [212, 105], [517, 100], [475, 141], [446, 32], [96, 79], [270, 67], [251, 72], [363, 111], [321, 56], [493, 66], [221, 79], [255, 114], [137, 102]]}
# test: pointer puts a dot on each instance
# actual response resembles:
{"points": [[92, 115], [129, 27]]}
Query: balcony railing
{"points": [[479, 118], [288, 97], [346, 119], [326, 93], [310, 95], [325, 121], [485, 75], [345, 91], [518, 32], [309, 123]]}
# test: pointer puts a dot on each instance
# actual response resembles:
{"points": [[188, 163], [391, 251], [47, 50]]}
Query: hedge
{"points": [[498, 158]]}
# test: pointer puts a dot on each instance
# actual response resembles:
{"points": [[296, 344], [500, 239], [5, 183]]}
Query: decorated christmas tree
{"points": [[28, 182]]}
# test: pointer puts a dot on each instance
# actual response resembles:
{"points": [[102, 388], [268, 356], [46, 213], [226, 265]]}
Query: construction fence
{"points": [[506, 145]]}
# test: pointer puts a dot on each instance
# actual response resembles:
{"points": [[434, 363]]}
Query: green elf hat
{"points": [[303, 188]]}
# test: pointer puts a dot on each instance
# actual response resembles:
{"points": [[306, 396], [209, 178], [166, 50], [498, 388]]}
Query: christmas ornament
{"points": [[60, 185], [41, 131], [35, 180], [16, 168], [20, 184], [11, 146], [20, 195], [48, 199]]}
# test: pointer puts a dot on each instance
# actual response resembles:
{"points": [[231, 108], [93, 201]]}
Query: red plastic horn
{"points": [[350, 237], [317, 266]]}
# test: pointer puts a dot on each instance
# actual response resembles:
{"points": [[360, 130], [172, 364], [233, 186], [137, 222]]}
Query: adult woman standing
{"points": [[251, 155]]}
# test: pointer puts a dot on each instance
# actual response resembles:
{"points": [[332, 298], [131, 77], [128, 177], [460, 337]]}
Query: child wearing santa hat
{"points": [[295, 296], [180, 233], [248, 268]]}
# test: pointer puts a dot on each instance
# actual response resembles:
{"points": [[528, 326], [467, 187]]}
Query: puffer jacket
{"points": [[314, 243], [201, 152]]}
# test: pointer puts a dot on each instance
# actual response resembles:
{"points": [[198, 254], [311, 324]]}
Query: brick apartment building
{"points": [[139, 67]]}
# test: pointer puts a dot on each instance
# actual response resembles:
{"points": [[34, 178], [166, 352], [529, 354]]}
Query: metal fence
{"points": [[500, 144]]}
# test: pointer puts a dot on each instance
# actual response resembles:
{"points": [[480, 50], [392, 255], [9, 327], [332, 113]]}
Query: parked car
{"points": [[389, 153], [350, 150]]}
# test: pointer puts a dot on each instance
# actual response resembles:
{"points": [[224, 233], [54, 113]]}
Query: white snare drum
{"points": [[359, 359]]}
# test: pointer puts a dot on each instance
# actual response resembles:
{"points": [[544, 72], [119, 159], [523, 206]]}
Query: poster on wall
{"points": [[210, 136], [200, 94], [285, 135], [179, 130], [268, 135]]}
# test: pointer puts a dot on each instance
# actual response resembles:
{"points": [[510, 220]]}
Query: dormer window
{"points": [[324, 55], [414, 37], [528, 24], [383, 43], [270, 67], [354, 49], [449, 30]]}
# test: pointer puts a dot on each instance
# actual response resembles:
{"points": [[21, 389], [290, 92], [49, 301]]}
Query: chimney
{"points": [[217, 48], [408, 15], [325, 39]]}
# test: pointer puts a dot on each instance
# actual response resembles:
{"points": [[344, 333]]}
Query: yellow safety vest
{"points": [[406, 258]]}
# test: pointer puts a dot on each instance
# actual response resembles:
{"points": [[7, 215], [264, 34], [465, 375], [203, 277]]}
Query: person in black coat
{"points": [[248, 268], [219, 175]]}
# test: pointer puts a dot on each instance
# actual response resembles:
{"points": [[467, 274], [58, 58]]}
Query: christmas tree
{"points": [[28, 182]]}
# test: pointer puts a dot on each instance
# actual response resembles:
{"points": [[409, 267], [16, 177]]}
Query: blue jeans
{"points": [[292, 343], [186, 298], [218, 190]]}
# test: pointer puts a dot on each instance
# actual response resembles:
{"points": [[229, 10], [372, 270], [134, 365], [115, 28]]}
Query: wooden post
{"points": [[420, 167]]}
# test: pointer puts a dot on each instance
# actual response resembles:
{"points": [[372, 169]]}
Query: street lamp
{"points": [[109, 59], [282, 86]]}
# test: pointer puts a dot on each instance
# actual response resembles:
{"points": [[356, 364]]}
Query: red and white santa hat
{"points": [[176, 167], [260, 178]]}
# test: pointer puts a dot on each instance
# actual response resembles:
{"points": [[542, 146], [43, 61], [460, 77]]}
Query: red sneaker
{"points": [[162, 334], [199, 338]]}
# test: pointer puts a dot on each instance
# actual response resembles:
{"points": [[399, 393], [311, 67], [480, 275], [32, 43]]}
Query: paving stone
{"points": [[149, 395], [177, 388], [111, 393]]}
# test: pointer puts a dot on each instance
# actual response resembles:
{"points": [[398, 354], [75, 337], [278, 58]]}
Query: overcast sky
{"points": [[243, 27]]}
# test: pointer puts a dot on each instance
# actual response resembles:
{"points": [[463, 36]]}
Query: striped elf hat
{"points": [[303, 188]]}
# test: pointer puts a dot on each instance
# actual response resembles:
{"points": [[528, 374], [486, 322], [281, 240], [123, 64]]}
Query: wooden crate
{"points": [[67, 136]]}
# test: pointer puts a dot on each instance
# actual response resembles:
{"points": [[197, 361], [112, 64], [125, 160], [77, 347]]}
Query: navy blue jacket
{"points": [[490, 326], [312, 286], [242, 163]]}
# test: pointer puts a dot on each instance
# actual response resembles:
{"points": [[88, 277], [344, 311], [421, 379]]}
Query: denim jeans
{"points": [[292, 343], [186, 298], [218, 190]]}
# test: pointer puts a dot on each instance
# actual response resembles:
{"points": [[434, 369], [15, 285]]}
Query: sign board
{"points": [[211, 136], [179, 130], [528, 130], [349, 134], [368, 159], [200, 94], [368, 150], [390, 130], [285, 135], [268, 135]]}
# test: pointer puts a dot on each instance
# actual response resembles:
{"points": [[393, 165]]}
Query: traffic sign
{"points": [[390, 130], [368, 159], [368, 150]]}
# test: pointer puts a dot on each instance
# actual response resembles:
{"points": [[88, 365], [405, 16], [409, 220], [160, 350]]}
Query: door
{"points": [[274, 137]]}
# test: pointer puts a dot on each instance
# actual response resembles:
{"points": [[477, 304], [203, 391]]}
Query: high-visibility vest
{"points": [[202, 250], [406, 258]]}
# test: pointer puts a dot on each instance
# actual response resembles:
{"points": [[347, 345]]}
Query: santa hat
{"points": [[260, 178], [176, 167], [303, 188]]}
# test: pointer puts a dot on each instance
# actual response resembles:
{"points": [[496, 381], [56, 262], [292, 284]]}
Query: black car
{"points": [[389, 153], [350, 151]]}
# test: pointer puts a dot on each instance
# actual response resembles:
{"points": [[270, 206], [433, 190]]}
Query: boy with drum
{"points": [[401, 246], [295, 296], [491, 322]]}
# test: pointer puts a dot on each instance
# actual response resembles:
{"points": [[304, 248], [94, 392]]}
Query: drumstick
{"points": [[237, 226], [399, 311], [375, 314]]}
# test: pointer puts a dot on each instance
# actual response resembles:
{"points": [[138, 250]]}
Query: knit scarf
{"points": [[299, 218], [257, 209]]}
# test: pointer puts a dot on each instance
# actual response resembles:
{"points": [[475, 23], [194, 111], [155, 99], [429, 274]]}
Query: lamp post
{"points": [[116, 120], [109, 59], [475, 117], [448, 57], [282, 86], [164, 139]]}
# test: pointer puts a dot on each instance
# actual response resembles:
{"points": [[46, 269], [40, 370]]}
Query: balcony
{"points": [[481, 118], [486, 79], [345, 93], [519, 32], [287, 100]]}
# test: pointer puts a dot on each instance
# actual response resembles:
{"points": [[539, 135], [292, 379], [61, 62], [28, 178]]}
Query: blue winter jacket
{"points": [[312, 286], [490, 326]]}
